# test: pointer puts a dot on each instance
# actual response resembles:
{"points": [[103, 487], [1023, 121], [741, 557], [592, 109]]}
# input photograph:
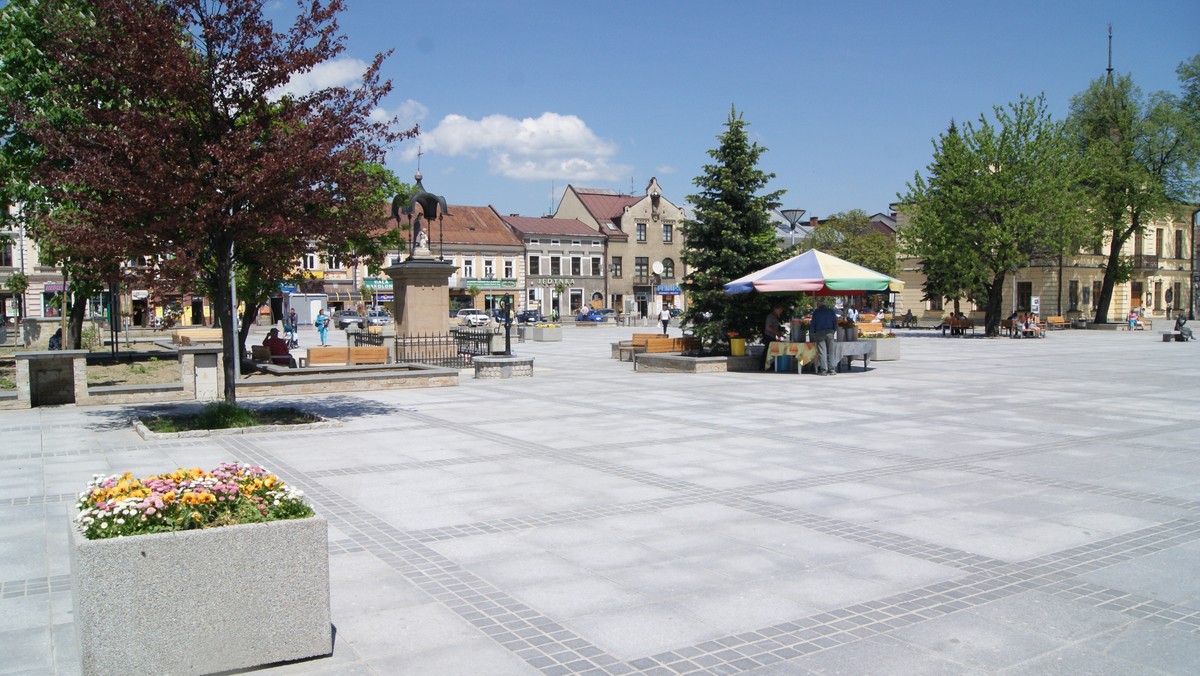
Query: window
{"points": [[1073, 295], [309, 261], [668, 233], [468, 267], [1096, 288], [333, 263], [1024, 296], [1179, 242], [1176, 299], [935, 303], [576, 266], [535, 241], [1158, 295], [510, 268], [555, 242], [555, 266], [489, 268], [576, 242], [6, 253], [641, 232], [616, 267], [535, 267], [595, 242], [668, 268], [1159, 236], [597, 266], [641, 267]]}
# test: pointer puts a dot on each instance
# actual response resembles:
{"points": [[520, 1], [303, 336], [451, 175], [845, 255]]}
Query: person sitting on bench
{"points": [[279, 349], [1184, 332]]}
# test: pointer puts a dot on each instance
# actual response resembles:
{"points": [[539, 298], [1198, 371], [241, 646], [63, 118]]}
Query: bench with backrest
{"points": [[1057, 322], [368, 355], [636, 344], [260, 353], [346, 356], [958, 326], [192, 336], [869, 327]]}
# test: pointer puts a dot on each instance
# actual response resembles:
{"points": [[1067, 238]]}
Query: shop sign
{"points": [[554, 281], [139, 294], [491, 283], [378, 284], [668, 290]]}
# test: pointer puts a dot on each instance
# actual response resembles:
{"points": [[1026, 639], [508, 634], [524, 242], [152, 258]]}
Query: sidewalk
{"points": [[980, 506]]}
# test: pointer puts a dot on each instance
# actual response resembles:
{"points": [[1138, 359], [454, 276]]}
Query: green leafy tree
{"points": [[730, 235], [238, 177], [998, 194], [850, 236], [1140, 155]]}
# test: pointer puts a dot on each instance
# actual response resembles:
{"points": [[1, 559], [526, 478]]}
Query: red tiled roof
{"points": [[469, 225], [528, 225], [604, 207]]}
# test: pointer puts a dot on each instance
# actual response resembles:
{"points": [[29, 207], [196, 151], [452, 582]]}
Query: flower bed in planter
{"points": [[886, 349], [209, 598], [545, 334]]}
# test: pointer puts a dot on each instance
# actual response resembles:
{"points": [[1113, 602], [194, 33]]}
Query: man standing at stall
{"points": [[823, 327]]}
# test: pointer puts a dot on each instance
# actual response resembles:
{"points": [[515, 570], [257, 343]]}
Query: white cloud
{"points": [[336, 73], [664, 169], [551, 146], [407, 114]]}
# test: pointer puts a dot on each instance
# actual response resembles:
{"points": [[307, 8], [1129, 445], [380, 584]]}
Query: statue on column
{"points": [[433, 207]]}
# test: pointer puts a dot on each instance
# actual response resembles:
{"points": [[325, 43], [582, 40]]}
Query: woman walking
{"points": [[322, 324]]}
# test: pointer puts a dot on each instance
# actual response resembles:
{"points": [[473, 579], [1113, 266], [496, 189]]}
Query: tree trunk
{"points": [[1113, 269], [995, 307], [248, 317], [74, 333], [220, 283]]}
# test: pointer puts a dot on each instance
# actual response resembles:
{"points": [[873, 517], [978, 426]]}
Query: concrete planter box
{"points": [[543, 335], [202, 601], [886, 349]]}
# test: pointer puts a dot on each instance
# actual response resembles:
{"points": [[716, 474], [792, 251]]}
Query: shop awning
{"points": [[344, 296]]}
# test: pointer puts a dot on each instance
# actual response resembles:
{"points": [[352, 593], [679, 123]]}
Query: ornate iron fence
{"points": [[452, 351]]}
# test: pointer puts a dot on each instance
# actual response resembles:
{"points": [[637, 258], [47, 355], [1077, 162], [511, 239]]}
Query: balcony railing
{"points": [[641, 279], [1145, 262]]}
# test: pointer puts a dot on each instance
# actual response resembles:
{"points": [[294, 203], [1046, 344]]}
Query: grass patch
{"points": [[7, 383], [221, 416]]}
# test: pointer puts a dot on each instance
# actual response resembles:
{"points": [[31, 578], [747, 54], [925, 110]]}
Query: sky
{"points": [[517, 99]]}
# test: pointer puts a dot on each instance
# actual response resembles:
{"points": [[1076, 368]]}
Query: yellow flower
{"points": [[196, 517]]}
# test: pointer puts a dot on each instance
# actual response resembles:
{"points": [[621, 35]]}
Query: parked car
{"points": [[472, 317], [347, 318], [530, 317], [378, 318], [608, 313], [586, 315]]}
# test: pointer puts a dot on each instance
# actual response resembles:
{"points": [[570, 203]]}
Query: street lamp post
{"points": [[793, 217]]}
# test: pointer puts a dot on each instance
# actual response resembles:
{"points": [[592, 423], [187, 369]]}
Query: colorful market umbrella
{"points": [[818, 274]]}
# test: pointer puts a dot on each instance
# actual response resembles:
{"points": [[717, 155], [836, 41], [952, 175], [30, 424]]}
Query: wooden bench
{"points": [[869, 327], [1057, 322], [958, 325], [192, 336], [368, 355], [328, 356], [635, 345], [260, 354]]}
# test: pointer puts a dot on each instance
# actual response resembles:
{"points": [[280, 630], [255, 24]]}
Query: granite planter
{"points": [[545, 335], [202, 601], [886, 349]]}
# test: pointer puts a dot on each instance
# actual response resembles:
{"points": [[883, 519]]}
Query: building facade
{"points": [[565, 263], [1163, 259], [644, 234]]}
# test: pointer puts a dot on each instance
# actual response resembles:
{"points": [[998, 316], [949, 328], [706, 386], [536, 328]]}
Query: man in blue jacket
{"points": [[823, 327]]}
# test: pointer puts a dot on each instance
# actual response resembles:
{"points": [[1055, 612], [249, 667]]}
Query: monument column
{"points": [[421, 291]]}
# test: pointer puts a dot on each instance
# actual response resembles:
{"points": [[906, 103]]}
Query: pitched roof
{"points": [[471, 225], [606, 207], [569, 227]]}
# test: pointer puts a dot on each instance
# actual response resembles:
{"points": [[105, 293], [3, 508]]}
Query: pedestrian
{"points": [[665, 318], [823, 328], [772, 331], [322, 324]]}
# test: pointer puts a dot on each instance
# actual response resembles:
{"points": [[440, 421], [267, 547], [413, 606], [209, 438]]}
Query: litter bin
{"points": [[737, 347], [785, 363]]}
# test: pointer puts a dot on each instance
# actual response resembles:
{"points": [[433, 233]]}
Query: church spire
{"points": [[1108, 80]]}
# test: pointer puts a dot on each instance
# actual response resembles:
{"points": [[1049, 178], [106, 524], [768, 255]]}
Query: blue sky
{"points": [[517, 99]]}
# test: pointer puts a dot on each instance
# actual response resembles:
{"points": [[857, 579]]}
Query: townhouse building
{"points": [[644, 236], [565, 264]]}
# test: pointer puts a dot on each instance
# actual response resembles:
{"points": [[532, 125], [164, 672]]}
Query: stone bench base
{"points": [[503, 367]]}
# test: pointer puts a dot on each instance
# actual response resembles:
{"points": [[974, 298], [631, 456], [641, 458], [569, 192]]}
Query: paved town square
{"points": [[980, 506]]}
